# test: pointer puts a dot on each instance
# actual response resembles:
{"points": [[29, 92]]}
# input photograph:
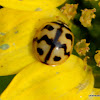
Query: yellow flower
{"points": [[67, 81], [99, 3], [35, 80], [19, 28], [82, 47], [86, 17], [97, 57], [69, 10], [31, 5]]}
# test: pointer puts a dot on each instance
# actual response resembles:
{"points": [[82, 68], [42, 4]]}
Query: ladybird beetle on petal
{"points": [[53, 43]]}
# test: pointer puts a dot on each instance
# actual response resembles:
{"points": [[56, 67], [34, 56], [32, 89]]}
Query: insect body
{"points": [[53, 43]]}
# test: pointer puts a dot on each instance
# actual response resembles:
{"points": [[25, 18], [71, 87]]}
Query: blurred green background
{"points": [[4, 81], [91, 35]]}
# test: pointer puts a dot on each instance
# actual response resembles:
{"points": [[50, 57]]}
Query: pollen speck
{"points": [[82, 47], [86, 17], [69, 10], [97, 57]]}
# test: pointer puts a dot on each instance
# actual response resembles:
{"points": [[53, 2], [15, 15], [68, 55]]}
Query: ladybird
{"points": [[53, 43]]}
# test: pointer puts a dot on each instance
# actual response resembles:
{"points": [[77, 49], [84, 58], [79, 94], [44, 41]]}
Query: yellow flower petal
{"points": [[33, 5], [18, 29], [10, 18], [38, 81], [95, 94], [84, 88]]}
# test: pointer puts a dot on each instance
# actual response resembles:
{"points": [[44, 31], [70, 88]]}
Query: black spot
{"points": [[58, 34], [45, 63], [49, 53], [53, 43], [45, 38], [62, 25], [1, 7], [65, 48], [49, 27], [56, 58], [68, 53], [68, 36], [40, 51], [35, 39]]}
